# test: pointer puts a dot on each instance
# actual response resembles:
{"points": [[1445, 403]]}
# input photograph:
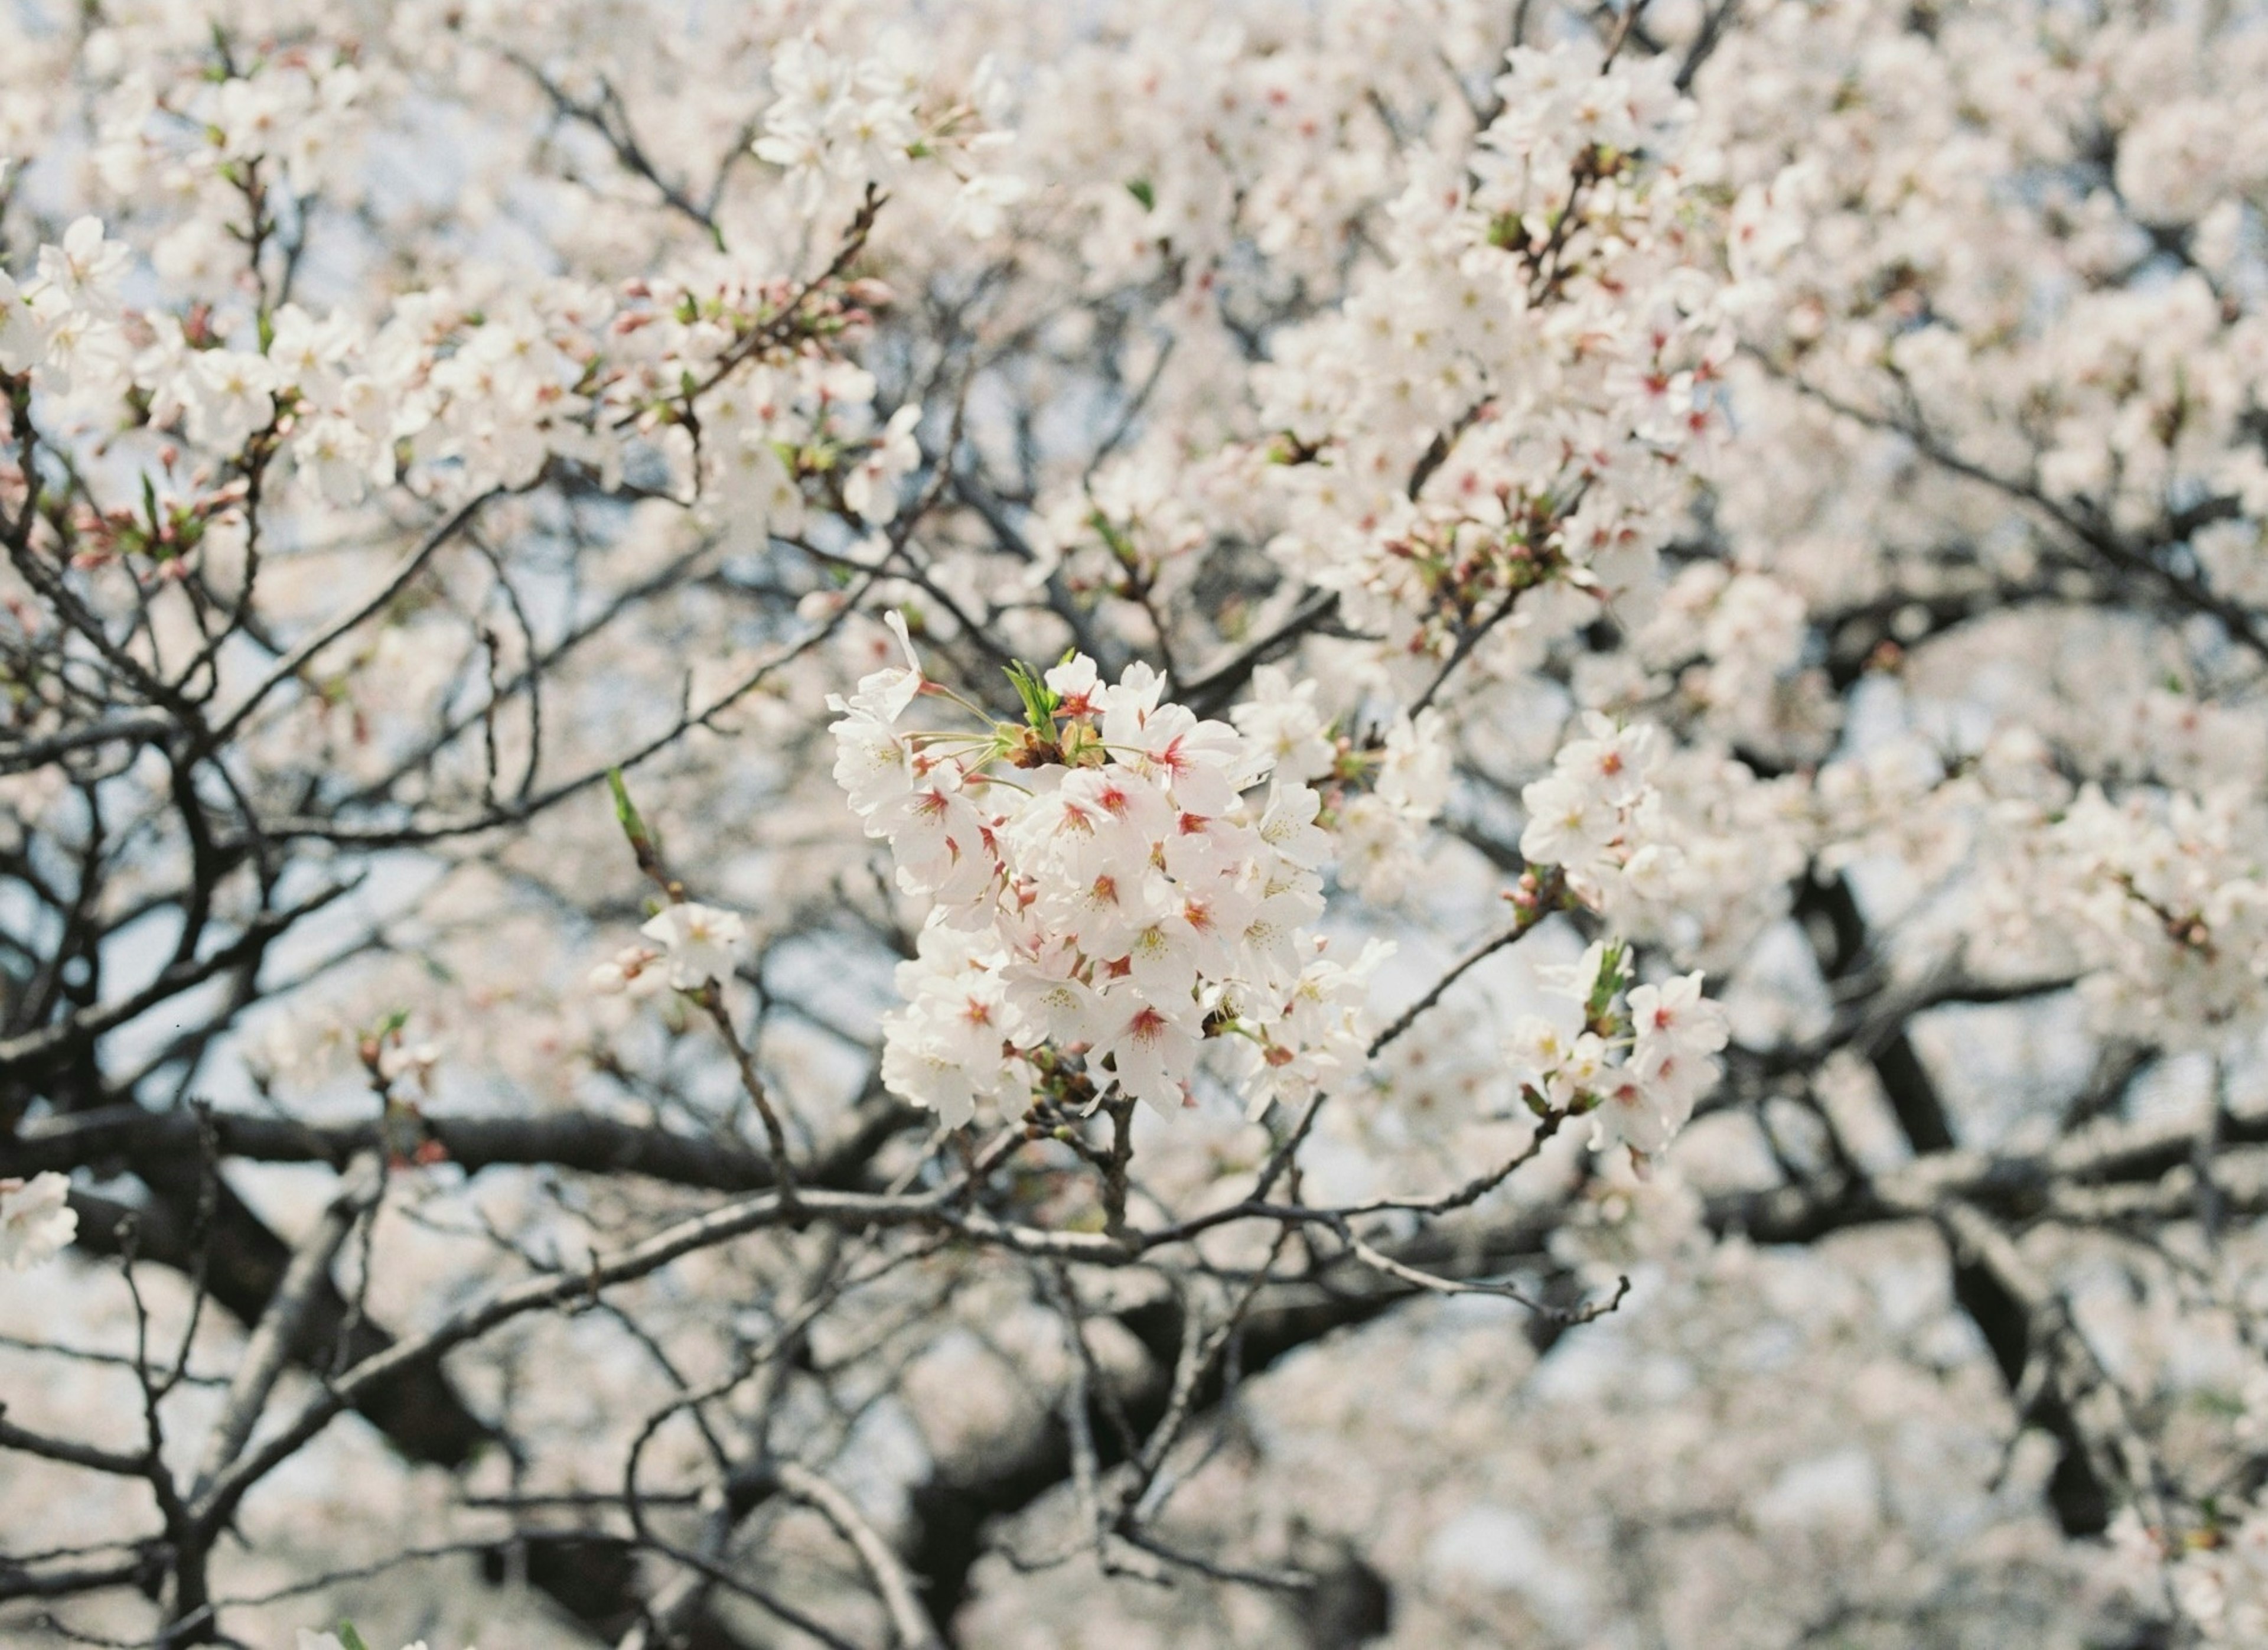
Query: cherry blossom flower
{"points": [[699, 943], [36, 1220]]}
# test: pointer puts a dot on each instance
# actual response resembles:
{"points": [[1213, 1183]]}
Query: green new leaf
{"points": [[1611, 980], [1119, 544], [1039, 700], [626, 813]]}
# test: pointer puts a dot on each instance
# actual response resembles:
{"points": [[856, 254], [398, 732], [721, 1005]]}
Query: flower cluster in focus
{"points": [[1104, 888], [1644, 1055]]}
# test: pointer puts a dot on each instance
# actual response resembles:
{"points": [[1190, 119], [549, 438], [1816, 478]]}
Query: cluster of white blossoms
{"points": [[1104, 886], [36, 1219], [459, 396], [285, 124], [2167, 905], [1733, 637], [2219, 1586], [1740, 841], [66, 323], [1506, 413], [1184, 135], [488, 395], [1378, 801], [769, 424], [2224, 1589], [1642, 1054], [840, 123], [1641, 1058], [1599, 818]]}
